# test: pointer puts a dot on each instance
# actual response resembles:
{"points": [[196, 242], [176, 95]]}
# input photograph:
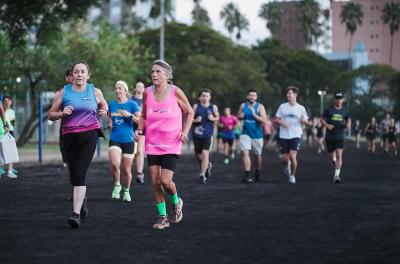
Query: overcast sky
{"points": [[249, 8]]}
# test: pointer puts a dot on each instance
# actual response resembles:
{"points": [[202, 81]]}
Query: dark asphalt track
{"points": [[224, 221]]}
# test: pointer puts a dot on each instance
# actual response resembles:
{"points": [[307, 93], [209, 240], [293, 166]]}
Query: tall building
{"points": [[292, 33], [373, 33]]}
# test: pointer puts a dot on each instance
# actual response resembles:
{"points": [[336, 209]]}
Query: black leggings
{"points": [[79, 149]]}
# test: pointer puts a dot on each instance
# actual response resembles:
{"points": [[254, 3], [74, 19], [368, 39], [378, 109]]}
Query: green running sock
{"points": [[117, 183], [174, 198], [162, 209], [337, 173]]}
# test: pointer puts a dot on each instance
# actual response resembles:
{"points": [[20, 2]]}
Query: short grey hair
{"points": [[166, 67]]}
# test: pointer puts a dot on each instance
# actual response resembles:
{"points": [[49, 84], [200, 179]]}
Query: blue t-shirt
{"points": [[122, 131]]}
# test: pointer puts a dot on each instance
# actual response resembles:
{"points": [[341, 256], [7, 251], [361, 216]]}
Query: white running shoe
{"points": [[292, 179], [336, 179], [11, 175]]}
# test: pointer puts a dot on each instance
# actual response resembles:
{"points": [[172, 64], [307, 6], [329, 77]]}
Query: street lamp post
{"points": [[162, 14], [321, 94]]}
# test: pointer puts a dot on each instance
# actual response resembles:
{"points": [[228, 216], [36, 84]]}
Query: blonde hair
{"points": [[123, 84]]}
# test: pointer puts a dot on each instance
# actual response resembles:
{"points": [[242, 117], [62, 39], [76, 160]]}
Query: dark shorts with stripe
{"points": [[287, 145], [166, 161]]}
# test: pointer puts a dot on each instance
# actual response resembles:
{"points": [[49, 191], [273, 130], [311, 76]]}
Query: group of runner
{"points": [[290, 118], [157, 120], [389, 132]]}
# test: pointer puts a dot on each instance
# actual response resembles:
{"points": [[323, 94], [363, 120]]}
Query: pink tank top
{"points": [[163, 124]]}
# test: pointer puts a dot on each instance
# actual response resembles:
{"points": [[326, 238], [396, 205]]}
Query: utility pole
{"points": [[162, 30]]}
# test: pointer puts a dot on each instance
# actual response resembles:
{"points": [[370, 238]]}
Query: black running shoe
{"points": [[257, 178], [247, 179], [203, 179], [208, 171], [84, 211], [74, 221]]}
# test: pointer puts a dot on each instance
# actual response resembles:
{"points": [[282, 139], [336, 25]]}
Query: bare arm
{"points": [[279, 121], [142, 120], [102, 104], [187, 109], [240, 114], [3, 118], [198, 119], [262, 117], [56, 112], [325, 124], [215, 115]]}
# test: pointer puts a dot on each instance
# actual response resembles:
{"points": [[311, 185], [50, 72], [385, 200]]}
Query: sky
{"points": [[249, 8]]}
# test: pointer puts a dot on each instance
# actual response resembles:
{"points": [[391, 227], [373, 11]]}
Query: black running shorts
{"points": [[331, 145], [166, 161]]}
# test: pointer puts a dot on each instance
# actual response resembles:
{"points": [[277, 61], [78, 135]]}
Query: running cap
{"points": [[166, 67], [339, 95], [123, 84]]}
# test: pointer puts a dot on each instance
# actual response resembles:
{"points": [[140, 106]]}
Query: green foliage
{"points": [[395, 89], [352, 16], [378, 76], [200, 15], [391, 16], [203, 58], [308, 15], [234, 19], [272, 13], [155, 11], [111, 55], [17, 18], [304, 69]]}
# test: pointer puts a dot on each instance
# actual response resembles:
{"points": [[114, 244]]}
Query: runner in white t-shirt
{"points": [[290, 116]]}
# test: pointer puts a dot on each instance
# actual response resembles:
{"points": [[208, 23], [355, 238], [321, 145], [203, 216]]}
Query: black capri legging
{"points": [[79, 149]]}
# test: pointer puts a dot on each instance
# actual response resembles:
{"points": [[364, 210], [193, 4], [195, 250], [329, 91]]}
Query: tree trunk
{"points": [[31, 125], [350, 60], [32, 122]]}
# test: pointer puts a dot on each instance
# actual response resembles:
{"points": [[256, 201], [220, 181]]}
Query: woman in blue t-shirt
{"points": [[123, 112]]}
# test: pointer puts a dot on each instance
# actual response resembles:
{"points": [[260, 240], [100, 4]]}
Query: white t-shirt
{"points": [[10, 116], [291, 116]]}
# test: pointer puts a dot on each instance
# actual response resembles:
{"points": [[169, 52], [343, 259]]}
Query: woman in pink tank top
{"points": [[163, 106]]}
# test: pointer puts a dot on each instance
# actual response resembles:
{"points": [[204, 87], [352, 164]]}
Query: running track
{"points": [[224, 221]]}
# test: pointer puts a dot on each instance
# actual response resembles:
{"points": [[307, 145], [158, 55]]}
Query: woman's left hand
{"points": [[183, 137]]}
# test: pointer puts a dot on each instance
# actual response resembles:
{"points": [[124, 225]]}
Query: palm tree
{"points": [[391, 16], [242, 23], [272, 13], [228, 13], [309, 14], [352, 16], [155, 11], [234, 19], [200, 15]]}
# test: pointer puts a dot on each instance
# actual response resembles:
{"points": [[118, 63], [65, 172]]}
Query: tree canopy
{"points": [[203, 58]]}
